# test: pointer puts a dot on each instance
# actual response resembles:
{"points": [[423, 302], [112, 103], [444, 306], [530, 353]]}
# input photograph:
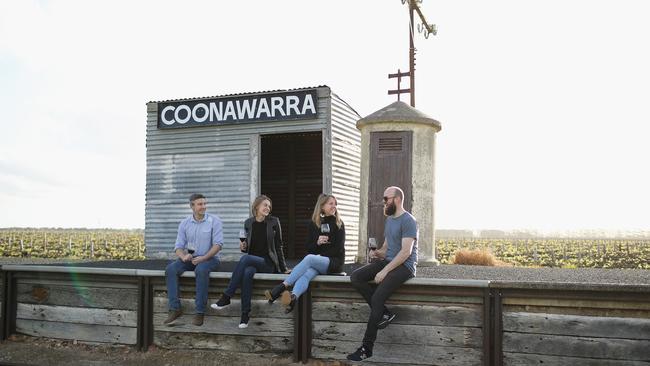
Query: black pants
{"points": [[376, 295]]}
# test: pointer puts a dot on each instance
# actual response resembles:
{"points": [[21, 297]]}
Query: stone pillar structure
{"points": [[398, 148]]}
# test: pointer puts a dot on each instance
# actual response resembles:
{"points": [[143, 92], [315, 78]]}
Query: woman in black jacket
{"points": [[264, 255], [326, 248]]}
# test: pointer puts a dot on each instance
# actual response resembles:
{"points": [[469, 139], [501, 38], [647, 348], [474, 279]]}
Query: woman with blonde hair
{"points": [[326, 248], [263, 248]]}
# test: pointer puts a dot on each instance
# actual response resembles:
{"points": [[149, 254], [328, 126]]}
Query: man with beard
{"points": [[393, 264]]}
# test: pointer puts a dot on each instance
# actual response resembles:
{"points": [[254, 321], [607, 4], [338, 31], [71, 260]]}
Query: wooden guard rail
{"points": [[439, 322]]}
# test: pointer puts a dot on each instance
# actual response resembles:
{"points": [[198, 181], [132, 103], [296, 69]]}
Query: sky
{"points": [[543, 104]]}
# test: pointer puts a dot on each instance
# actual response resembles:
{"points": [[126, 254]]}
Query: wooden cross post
{"points": [[399, 90]]}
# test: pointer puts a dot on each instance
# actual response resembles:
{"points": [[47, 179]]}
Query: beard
{"points": [[390, 209]]}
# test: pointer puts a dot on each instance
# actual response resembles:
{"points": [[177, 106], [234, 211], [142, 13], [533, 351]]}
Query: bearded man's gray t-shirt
{"points": [[395, 230]]}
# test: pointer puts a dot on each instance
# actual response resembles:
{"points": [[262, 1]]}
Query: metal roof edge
{"points": [[238, 94], [347, 104]]}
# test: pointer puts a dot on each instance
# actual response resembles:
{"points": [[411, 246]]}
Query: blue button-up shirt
{"points": [[202, 234]]}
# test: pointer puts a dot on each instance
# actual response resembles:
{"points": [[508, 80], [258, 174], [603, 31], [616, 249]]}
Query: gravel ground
{"points": [[24, 350], [595, 276], [551, 275]]}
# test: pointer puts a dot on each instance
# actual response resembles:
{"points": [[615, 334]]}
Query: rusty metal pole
{"points": [[412, 53]]}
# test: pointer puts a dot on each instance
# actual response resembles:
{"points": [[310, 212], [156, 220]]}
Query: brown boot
{"points": [[285, 298], [198, 320], [275, 292], [292, 304], [173, 315]]}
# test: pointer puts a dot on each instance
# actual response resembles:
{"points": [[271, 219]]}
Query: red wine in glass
{"points": [[325, 230]]}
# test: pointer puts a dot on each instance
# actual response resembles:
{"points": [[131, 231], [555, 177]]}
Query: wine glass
{"points": [[325, 230], [191, 247], [243, 238], [372, 245]]}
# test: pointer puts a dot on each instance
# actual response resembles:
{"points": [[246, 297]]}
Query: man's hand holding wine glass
{"points": [[373, 252]]}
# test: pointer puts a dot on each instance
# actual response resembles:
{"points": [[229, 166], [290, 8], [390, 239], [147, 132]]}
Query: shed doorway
{"points": [[292, 176]]}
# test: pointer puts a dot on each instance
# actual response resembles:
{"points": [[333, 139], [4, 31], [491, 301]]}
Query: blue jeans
{"points": [[308, 268], [202, 273], [243, 274]]}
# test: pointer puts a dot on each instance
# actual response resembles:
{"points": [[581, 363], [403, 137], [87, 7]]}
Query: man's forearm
{"points": [[179, 252], [400, 258], [213, 251]]}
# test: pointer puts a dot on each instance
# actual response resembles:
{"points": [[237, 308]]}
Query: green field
{"points": [[565, 253], [73, 244], [129, 244]]}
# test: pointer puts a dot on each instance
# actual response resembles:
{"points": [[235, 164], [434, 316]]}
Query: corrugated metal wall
{"points": [[223, 164], [346, 169]]}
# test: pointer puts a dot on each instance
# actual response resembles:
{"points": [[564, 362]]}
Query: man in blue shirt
{"points": [[392, 265], [200, 238]]}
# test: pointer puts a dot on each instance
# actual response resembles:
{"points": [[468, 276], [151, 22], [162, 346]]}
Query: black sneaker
{"points": [[243, 323], [360, 354], [275, 292], [223, 301], [386, 319]]}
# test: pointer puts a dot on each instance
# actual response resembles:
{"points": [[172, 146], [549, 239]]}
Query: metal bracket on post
{"points": [[8, 323], [492, 327], [306, 326], [3, 312], [145, 314], [488, 316], [498, 328], [302, 328], [297, 332]]}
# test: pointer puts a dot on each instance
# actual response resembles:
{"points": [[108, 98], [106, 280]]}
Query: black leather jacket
{"points": [[273, 240]]}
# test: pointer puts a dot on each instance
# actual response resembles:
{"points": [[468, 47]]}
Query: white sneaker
{"points": [[245, 318]]}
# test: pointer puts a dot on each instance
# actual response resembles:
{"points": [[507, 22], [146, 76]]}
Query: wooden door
{"points": [[390, 165]]}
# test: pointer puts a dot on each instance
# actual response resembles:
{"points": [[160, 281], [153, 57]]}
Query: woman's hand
{"points": [[322, 239], [242, 246]]}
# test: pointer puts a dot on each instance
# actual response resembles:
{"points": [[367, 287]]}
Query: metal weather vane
{"points": [[425, 28]]}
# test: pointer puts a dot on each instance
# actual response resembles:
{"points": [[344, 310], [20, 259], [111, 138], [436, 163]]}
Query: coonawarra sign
{"points": [[292, 105]]}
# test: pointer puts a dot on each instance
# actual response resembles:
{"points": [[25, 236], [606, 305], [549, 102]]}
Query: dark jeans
{"points": [[243, 274], [376, 295]]}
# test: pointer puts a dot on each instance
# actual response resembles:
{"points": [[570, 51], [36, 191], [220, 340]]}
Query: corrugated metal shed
{"points": [[223, 163], [345, 169]]}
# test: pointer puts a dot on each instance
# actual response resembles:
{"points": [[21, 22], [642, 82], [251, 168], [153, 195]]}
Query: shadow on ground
{"points": [[21, 350]]}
